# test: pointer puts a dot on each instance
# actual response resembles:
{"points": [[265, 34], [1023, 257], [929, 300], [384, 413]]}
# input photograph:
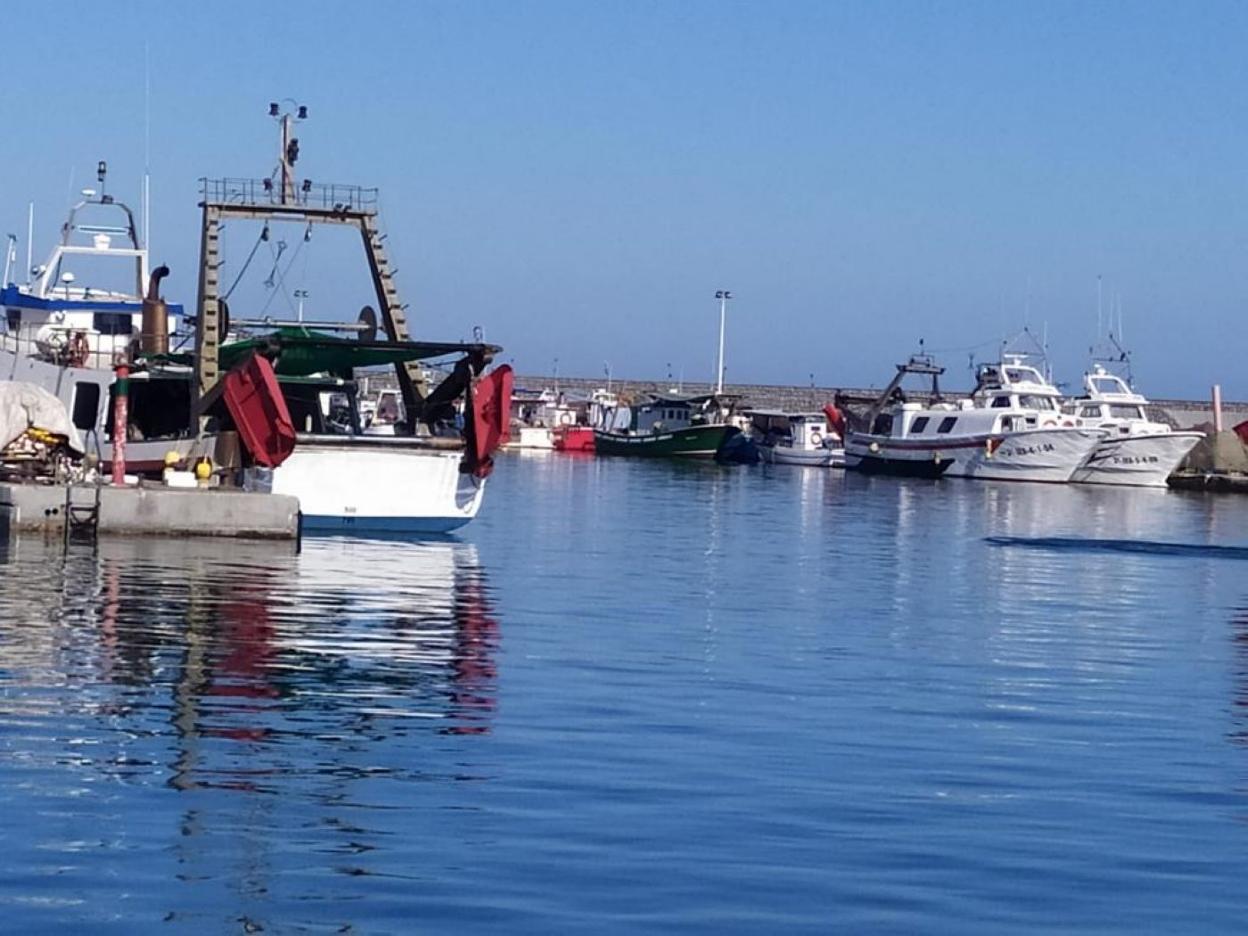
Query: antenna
{"points": [[146, 207], [1098, 307], [30, 237], [288, 152]]}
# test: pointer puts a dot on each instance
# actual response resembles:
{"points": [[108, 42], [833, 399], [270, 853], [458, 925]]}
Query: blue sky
{"points": [[579, 178]]}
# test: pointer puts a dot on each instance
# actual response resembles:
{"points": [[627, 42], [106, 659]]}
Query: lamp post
{"points": [[723, 296]]}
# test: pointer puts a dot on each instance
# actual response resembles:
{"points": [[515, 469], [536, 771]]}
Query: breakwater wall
{"points": [[1182, 414]]}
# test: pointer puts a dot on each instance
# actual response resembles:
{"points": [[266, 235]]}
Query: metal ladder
{"points": [[393, 316], [82, 518]]}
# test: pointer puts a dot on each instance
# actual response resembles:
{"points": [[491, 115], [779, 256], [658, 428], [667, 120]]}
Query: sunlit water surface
{"points": [[642, 698]]}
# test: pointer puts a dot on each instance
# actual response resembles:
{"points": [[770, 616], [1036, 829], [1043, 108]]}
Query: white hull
{"points": [[1141, 460], [531, 437], [398, 487], [790, 455], [1052, 455]]}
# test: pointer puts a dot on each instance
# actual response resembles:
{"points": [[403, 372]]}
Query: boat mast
{"points": [[30, 236], [723, 296]]}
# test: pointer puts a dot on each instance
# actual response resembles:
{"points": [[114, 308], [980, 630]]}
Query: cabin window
{"points": [[159, 409], [1121, 411], [1041, 403], [14, 320], [1090, 412], [1000, 402], [86, 405], [947, 424], [113, 323], [883, 424], [919, 424]]}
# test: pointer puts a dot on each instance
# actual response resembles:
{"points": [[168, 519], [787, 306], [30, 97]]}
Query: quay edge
{"points": [[152, 511]]}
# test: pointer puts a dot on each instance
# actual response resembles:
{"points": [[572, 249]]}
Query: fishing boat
{"points": [[1011, 428], [670, 426], [1135, 450], [92, 303], [574, 439], [427, 477], [797, 438]]}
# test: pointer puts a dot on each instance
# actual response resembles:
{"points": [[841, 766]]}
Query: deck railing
{"points": [[267, 193]]}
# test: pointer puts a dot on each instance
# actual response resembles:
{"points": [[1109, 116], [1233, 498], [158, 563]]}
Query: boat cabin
{"points": [[1109, 402], [1015, 385], [668, 412], [79, 308]]}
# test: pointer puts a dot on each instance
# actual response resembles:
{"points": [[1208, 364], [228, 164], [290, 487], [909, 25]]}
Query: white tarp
{"points": [[24, 405]]}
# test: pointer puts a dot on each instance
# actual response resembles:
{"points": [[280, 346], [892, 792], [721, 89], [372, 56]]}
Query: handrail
{"points": [[267, 193]]}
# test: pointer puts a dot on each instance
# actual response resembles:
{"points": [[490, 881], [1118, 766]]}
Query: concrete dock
{"points": [[150, 510]]}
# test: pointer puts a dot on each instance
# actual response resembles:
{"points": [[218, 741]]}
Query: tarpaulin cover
{"points": [[25, 406]]}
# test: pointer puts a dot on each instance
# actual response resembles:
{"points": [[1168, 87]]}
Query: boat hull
{"points": [[788, 455], [380, 486], [692, 442], [1137, 460], [531, 437], [574, 439], [1051, 455], [875, 455]]}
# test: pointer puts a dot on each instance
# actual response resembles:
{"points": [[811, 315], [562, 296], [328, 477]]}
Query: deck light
{"points": [[303, 112], [273, 109], [307, 187]]}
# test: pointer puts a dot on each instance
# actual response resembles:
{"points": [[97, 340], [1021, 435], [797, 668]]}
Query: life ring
{"points": [[1068, 422], [1049, 422], [79, 350], [816, 437]]}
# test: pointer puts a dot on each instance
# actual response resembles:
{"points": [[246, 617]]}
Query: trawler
{"points": [[428, 477], [1135, 450]]}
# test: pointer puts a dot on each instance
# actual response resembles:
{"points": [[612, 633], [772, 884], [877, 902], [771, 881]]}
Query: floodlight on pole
{"points": [[723, 295]]}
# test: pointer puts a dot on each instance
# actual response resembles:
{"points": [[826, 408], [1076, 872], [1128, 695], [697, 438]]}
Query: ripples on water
{"points": [[639, 698]]}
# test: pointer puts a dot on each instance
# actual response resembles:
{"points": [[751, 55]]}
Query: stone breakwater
{"points": [[1182, 414]]}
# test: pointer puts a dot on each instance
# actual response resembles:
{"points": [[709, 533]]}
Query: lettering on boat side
{"points": [[1019, 451]]}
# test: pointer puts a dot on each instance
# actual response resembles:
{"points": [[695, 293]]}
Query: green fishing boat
{"points": [[670, 427]]}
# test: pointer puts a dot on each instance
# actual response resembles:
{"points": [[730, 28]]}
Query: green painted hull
{"points": [[693, 442]]}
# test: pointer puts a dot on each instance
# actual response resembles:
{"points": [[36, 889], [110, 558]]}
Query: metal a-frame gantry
{"points": [[271, 199]]}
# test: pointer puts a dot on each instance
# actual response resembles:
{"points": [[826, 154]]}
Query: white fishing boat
{"points": [[79, 313], [796, 439], [1010, 429], [426, 478], [1135, 450]]}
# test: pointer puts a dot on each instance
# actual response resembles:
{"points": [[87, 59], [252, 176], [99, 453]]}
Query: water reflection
{"points": [[251, 645]]}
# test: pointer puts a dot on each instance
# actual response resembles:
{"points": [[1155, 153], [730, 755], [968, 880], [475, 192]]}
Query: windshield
{"points": [[1023, 375], [1108, 385]]}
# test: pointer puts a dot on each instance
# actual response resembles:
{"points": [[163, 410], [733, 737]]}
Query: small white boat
{"points": [[1136, 450], [796, 439], [1010, 430]]}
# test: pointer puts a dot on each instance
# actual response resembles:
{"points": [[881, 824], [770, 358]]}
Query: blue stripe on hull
{"points": [[324, 523]]}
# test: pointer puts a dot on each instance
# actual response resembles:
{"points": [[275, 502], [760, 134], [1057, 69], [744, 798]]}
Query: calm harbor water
{"points": [[643, 698]]}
